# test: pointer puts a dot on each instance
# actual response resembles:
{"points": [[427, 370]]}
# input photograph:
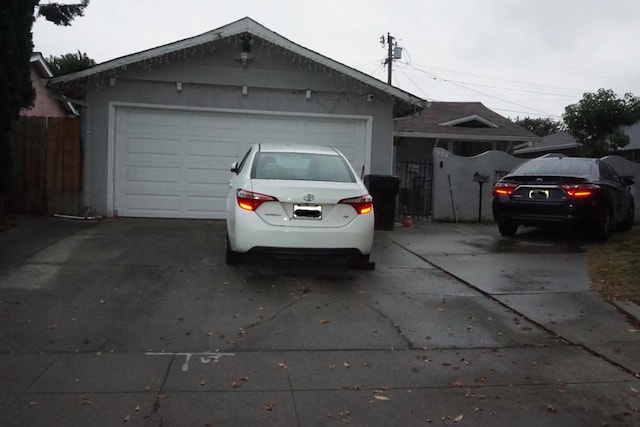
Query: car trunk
{"points": [[306, 203]]}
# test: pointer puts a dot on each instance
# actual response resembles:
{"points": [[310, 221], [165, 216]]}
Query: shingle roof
{"points": [[409, 102], [443, 119], [556, 141]]}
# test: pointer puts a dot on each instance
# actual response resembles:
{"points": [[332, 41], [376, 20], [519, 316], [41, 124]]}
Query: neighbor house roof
{"points": [[461, 121], [407, 102], [549, 143], [43, 69]]}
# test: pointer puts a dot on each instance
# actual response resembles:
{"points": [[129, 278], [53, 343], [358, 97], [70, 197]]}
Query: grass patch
{"points": [[614, 266]]}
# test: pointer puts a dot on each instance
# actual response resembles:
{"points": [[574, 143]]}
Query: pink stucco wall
{"points": [[44, 105]]}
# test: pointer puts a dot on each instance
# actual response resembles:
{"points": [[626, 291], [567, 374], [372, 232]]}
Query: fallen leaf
{"points": [[270, 406], [346, 365], [127, 418], [458, 418], [377, 397], [203, 382], [283, 365], [102, 301], [552, 408], [325, 321], [634, 390], [442, 310], [235, 384], [245, 379], [137, 408]]}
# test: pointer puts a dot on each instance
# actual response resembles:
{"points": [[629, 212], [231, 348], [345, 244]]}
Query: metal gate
{"points": [[415, 197]]}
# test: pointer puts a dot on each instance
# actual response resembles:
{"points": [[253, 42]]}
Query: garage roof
{"points": [[405, 103]]}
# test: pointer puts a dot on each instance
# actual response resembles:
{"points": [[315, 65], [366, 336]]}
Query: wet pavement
{"points": [[139, 322]]}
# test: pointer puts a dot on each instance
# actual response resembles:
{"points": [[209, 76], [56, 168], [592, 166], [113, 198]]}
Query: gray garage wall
{"points": [[457, 196], [212, 79]]}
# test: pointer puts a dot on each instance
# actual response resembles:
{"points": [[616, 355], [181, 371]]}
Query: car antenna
{"points": [[362, 173]]}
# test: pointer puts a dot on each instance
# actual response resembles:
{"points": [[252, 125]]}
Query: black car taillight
{"points": [[504, 188], [580, 191]]}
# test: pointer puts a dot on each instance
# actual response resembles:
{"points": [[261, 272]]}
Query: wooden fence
{"points": [[44, 173]]}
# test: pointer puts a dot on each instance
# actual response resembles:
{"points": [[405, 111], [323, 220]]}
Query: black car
{"points": [[557, 190]]}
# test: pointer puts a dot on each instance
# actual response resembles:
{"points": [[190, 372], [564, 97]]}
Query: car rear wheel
{"points": [[602, 231], [361, 262], [507, 228], [232, 257], [629, 220]]}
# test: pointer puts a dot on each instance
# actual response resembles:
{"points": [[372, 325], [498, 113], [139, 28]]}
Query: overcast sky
{"points": [[518, 57]]}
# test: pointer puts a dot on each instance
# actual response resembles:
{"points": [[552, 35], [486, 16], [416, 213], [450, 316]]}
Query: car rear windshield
{"points": [[301, 166], [563, 166]]}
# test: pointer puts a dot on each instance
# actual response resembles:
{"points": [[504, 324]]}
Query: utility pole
{"points": [[393, 52]]}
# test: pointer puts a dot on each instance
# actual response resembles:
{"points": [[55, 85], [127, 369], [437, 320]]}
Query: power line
{"points": [[455, 83]]}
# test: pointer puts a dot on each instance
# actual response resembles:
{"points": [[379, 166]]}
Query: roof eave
{"points": [[462, 137], [248, 25]]}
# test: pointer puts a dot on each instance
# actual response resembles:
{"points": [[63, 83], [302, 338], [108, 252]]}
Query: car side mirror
{"points": [[627, 182], [234, 167]]}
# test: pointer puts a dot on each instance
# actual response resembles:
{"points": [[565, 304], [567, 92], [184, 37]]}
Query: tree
{"points": [[69, 63], [16, 21], [62, 14], [541, 126], [16, 91], [596, 121]]}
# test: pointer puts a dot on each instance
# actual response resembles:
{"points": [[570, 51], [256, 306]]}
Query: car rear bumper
{"points": [[306, 253], [252, 234], [539, 214]]}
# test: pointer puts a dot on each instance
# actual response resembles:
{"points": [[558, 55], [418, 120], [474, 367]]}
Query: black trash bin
{"points": [[383, 189]]}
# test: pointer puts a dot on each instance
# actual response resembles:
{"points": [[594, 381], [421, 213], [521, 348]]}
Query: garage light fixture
{"points": [[308, 94], [245, 90], [179, 86], [244, 57]]}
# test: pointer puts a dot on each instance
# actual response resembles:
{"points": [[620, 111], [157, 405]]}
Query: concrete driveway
{"points": [[139, 322]]}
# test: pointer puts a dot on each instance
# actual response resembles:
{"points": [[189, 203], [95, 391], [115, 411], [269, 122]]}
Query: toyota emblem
{"points": [[308, 197]]}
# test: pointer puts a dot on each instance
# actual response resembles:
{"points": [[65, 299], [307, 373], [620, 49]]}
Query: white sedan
{"points": [[298, 201]]}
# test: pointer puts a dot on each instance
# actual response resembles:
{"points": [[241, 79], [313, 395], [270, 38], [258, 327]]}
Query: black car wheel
{"points": [[507, 228], [602, 231], [629, 220], [232, 257]]}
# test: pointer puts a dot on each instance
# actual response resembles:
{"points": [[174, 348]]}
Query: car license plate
{"points": [[307, 211], [539, 194]]}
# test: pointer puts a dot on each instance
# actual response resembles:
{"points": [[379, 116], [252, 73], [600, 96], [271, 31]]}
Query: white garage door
{"points": [[175, 164]]}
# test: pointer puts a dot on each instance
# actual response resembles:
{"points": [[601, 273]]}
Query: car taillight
{"points": [[580, 190], [504, 188], [250, 201], [362, 204]]}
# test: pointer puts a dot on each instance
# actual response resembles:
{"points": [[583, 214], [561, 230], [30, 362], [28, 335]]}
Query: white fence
{"points": [[460, 195]]}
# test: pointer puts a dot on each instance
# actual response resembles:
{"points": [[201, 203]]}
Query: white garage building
{"points": [[162, 126]]}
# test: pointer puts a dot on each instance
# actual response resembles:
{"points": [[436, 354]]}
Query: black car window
{"points": [[608, 173], [557, 166]]}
